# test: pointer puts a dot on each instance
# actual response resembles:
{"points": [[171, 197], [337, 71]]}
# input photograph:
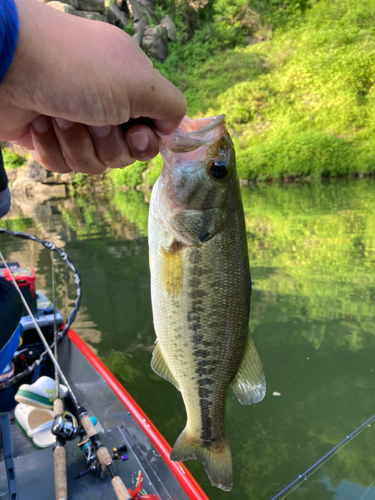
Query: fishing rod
{"points": [[313, 468], [59, 452], [72, 314], [102, 453]]}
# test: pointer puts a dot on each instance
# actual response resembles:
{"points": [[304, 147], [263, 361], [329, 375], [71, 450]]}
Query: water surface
{"points": [[312, 255]]}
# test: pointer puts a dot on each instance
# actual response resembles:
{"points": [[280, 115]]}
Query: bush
{"points": [[130, 176], [11, 160]]}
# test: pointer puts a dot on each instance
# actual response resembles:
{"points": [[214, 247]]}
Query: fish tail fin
{"points": [[216, 458]]}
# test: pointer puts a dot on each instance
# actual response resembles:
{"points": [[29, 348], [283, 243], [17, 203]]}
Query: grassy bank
{"points": [[300, 103]]}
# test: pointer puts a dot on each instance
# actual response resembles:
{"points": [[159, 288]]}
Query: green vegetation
{"points": [[132, 206], [295, 79], [11, 160], [18, 223], [130, 176]]}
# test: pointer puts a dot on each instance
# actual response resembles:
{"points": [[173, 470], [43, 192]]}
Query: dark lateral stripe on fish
{"points": [[204, 382], [206, 434], [205, 367]]}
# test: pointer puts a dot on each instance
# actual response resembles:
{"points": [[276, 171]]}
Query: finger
{"points": [[77, 147], [158, 99], [26, 140], [142, 141], [46, 148], [111, 147]]}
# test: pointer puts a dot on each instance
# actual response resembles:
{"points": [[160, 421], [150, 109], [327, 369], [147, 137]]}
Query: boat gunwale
{"points": [[179, 471]]}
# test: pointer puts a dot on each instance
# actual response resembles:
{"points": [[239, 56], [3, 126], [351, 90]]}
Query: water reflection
{"points": [[312, 255]]}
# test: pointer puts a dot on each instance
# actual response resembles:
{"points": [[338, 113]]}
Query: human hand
{"points": [[71, 85]]}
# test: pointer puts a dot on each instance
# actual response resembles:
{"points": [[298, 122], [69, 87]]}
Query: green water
{"points": [[312, 254]]}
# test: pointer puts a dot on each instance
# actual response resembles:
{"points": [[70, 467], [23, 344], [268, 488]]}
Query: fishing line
{"points": [[55, 331], [77, 277], [317, 465], [368, 489]]}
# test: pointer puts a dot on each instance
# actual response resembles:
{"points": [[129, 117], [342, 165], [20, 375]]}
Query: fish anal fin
{"points": [[216, 458], [159, 365], [249, 385]]}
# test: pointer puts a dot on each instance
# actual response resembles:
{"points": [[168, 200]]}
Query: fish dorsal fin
{"points": [[249, 385], [160, 367]]}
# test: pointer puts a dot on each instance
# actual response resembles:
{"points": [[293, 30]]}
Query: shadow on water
{"points": [[312, 254]]}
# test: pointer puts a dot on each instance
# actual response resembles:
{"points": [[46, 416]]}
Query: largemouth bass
{"points": [[200, 288]]}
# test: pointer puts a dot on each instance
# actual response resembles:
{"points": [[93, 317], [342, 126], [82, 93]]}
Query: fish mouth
{"points": [[202, 130], [192, 134]]}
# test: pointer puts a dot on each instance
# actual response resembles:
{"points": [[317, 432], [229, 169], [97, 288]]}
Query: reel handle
{"points": [[105, 460], [59, 455]]}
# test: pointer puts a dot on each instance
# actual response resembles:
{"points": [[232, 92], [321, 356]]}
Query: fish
{"points": [[201, 288]]}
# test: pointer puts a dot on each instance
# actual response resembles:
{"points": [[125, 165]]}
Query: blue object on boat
{"points": [[7, 352]]}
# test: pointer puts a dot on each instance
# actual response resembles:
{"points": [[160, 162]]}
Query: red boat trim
{"points": [[183, 476]]}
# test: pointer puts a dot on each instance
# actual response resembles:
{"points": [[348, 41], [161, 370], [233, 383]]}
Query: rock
{"points": [[140, 26], [63, 7], [154, 42], [25, 188], [138, 8], [137, 38], [87, 14], [17, 150], [91, 5], [122, 5], [72, 3], [35, 172], [116, 16], [93, 16], [169, 25]]}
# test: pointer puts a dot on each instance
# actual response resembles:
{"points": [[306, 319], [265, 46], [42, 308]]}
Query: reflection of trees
{"points": [[134, 208], [313, 246], [312, 252]]}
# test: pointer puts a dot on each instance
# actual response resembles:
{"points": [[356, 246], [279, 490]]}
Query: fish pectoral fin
{"points": [[249, 385], [217, 459], [159, 365]]}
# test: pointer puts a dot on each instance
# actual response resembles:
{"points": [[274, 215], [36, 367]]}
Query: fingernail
{"points": [[64, 124], [41, 124], [139, 141], [101, 131]]}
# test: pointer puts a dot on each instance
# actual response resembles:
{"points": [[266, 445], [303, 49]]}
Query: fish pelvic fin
{"points": [[249, 385], [159, 365], [216, 458]]}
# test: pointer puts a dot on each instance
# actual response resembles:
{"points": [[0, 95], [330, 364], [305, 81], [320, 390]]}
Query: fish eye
{"points": [[218, 170]]}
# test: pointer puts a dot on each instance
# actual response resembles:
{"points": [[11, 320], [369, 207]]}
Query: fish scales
{"points": [[200, 287]]}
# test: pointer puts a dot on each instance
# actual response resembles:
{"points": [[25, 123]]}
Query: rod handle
{"points": [[105, 459], [120, 489], [61, 487], [88, 425], [102, 453], [58, 407]]}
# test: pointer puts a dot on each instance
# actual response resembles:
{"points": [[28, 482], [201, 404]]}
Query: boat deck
{"points": [[35, 469]]}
